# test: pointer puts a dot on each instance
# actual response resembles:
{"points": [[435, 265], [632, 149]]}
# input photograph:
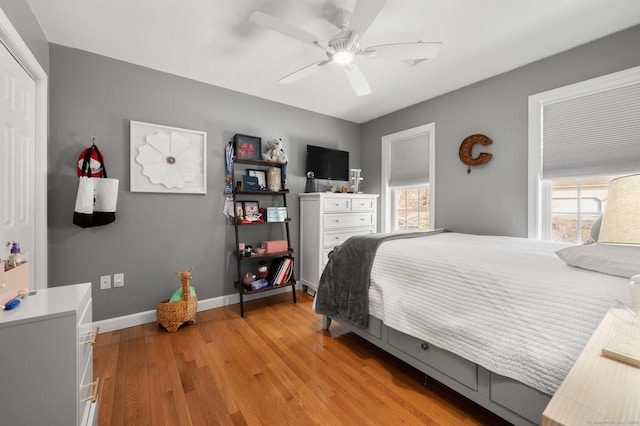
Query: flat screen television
{"points": [[327, 163]]}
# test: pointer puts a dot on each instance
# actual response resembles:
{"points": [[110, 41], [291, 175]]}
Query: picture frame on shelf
{"points": [[247, 147], [239, 209], [251, 210], [261, 175]]}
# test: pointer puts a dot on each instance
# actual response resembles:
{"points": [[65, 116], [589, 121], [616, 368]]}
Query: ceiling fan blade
{"points": [[303, 72], [363, 15], [418, 50], [357, 80], [283, 27]]}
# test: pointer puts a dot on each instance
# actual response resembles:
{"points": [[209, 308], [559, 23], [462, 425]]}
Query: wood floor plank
{"points": [[275, 366]]}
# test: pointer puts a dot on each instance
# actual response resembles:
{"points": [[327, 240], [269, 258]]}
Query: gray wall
{"points": [[155, 235], [492, 199], [23, 20]]}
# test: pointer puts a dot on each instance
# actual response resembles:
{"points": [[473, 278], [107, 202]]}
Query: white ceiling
{"points": [[212, 41]]}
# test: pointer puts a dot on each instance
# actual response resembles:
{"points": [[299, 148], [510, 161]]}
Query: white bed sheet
{"points": [[508, 304]]}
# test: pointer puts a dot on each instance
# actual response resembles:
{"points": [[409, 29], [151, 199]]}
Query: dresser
{"points": [[46, 361], [327, 220]]}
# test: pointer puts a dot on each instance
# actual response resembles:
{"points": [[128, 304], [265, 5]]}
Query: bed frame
{"points": [[508, 398]]}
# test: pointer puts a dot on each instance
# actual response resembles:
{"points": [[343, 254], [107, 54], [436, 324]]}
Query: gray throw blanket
{"points": [[343, 290]]}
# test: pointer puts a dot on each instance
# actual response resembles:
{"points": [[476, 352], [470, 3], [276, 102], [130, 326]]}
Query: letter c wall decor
{"points": [[467, 145]]}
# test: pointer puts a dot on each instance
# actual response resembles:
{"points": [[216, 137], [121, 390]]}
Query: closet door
{"points": [[17, 161]]}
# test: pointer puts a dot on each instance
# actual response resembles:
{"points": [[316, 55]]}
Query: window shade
{"points": [[409, 162], [593, 134]]}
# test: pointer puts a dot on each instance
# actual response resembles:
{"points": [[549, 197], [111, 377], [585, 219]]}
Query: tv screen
{"points": [[326, 163]]}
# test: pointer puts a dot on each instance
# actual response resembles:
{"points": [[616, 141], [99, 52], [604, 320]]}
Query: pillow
{"points": [[594, 232], [619, 260], [177, 295]]}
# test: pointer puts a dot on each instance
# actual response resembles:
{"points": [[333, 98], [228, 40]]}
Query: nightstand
{"points": [[599, 390]]}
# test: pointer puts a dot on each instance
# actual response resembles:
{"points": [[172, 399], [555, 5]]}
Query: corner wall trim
{"points": [[139, 318]]}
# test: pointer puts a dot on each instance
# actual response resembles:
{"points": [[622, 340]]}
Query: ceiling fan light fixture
{"points": [[343, 57]]}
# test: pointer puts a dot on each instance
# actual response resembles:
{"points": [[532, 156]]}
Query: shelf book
{"points": [[280, 270]]}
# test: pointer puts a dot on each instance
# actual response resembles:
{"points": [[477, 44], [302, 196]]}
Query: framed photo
{"points": [[239, 209], [251, 209], [261, 175], [247, 147], [167, 159]]}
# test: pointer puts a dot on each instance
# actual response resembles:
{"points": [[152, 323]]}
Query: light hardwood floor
{"points": [[276, 366]]}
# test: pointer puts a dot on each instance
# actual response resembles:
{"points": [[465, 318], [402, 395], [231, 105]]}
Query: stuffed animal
{"points": [[275, 152]]}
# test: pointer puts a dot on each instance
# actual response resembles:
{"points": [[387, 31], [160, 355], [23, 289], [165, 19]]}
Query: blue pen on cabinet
{"points": [[15, 302]]}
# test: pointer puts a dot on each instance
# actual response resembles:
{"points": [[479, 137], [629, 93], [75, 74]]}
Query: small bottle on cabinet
{"points": [[15, 258]]}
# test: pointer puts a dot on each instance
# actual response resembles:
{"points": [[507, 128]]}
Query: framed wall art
{"points": [[247, 147], [167, 159]]}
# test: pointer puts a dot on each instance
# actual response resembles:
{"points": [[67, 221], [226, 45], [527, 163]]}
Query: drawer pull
{"points": [[424, 346], [94, 394], [362, 219], [93, 335], [337, 238], [337, 220], [337, 205]]}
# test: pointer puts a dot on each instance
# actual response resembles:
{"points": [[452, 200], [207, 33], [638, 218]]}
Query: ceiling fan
{"points": [[344, 47]]}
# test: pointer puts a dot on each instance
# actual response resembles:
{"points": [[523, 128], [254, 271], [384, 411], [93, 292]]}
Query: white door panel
{"points": [[17, 148]]}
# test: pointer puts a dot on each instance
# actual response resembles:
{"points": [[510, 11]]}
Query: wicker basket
{"points": [[171, 315]]}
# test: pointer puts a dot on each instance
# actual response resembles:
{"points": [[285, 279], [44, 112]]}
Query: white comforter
{"points": [[508, 304]]}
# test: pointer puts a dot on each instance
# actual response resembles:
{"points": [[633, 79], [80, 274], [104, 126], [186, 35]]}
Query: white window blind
{"points": [[409, 165], [593, 134]]}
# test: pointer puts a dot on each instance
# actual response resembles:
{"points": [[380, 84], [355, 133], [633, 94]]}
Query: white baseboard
{"points": [[146, 317]]}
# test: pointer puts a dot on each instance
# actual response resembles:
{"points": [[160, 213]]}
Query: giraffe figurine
{"points": [[171, 315]]}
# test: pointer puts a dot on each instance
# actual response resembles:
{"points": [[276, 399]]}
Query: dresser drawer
{"points": [[325, 257], [86, 339], [335, 238], [445, 362], [347, 220], [337, 204], [360, 204]]}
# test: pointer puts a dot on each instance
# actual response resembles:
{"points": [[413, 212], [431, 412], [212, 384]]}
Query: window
{"points": [[412, 207], [408, 170], [575, 205], [580, 137]]}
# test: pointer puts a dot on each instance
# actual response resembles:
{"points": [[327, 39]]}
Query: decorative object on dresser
{"points": [[312, 183], [173, 313], [327, 220], [247, 260], [46, 361], [355, 180]]}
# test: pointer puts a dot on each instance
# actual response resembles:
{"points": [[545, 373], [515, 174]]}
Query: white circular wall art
{"points": [[167, 159]]}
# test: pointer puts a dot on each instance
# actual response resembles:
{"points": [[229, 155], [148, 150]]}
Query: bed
{"points": [[500, 320]]}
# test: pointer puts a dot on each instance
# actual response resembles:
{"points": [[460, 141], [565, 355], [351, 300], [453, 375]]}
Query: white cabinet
{"points": [[327, 220], [46, 361]]}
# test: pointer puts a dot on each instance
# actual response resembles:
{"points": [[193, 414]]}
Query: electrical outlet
{"points": [[105, 282], [118, 280]]}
